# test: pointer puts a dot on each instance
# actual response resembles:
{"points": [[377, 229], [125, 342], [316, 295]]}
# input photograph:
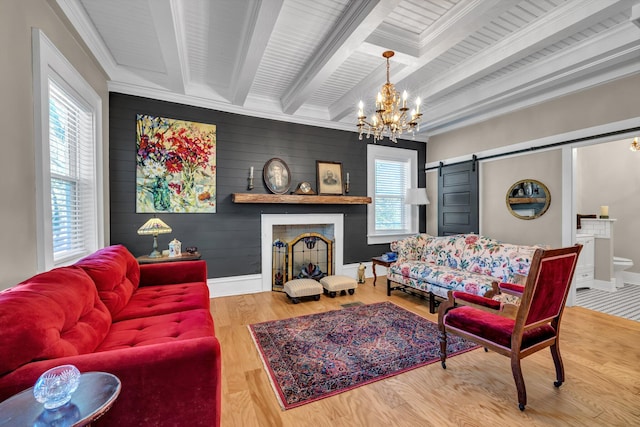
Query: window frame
{"points": [[50, 64], [378, 152]]}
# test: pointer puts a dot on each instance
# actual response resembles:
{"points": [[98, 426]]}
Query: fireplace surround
{"points": [[269, 221]]}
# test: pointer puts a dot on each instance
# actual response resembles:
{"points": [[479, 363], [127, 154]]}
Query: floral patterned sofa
{"points": [[463, 262]]}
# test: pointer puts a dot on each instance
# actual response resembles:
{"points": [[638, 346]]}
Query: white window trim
{"points": [[48, 62], [397, 154]]}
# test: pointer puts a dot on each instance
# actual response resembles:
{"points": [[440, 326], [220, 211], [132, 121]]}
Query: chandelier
{"points": [[390, 118], [635, 146]]}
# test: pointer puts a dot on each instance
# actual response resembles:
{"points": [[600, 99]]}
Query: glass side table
{"points": [[95, 395]]}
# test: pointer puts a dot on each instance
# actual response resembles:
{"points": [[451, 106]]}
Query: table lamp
{"points": [[154, 227], [416, 196]]}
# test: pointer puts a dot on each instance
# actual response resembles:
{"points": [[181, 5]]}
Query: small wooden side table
{"points": [[95, 395], [146, 259], [378, 260]]}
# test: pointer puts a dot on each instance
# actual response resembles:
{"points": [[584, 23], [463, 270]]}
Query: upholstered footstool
{"points": [[333, 284], [298, 288]]}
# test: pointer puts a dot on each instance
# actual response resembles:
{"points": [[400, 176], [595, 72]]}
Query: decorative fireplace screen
{"points": [[308, 255]]}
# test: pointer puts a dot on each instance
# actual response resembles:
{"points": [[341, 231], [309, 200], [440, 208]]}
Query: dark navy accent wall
{"points": [[229, 240]]}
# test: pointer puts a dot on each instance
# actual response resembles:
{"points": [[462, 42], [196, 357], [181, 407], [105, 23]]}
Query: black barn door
{"points": [[458, 211]]}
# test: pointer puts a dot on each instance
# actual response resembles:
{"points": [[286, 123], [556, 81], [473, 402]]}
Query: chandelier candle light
{"points": [[390, 118]]}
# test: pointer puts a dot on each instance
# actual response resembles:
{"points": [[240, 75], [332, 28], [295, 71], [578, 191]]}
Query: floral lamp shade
{"points": [[153, 227]]}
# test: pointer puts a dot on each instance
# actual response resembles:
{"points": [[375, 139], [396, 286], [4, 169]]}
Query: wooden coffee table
{"points": [[378, 260]]}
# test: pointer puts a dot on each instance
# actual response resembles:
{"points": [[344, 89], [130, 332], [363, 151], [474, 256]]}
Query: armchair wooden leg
{"points": [[557, 361], [443, 348], [445, 306], [517, 376]]}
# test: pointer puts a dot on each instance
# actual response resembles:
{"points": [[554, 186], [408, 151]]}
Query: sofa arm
{"points": [[162, 384], [457, 298], [168, 273], [464, 298], [410, 248], [511, 289]]}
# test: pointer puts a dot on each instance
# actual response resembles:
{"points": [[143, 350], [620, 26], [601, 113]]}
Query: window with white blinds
{"points": [[71, 163], [68, 126], [391, 184], [390, 172]]}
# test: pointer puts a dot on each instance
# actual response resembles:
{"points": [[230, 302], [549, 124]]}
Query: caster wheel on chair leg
{"points": [[351, 291], [521, 406], [444, 365], [557, 383], [332, 294], [316, 297], [295, 300]]}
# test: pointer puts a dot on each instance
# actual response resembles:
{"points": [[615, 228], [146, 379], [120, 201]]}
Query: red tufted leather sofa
{"points": [[150, 325]]}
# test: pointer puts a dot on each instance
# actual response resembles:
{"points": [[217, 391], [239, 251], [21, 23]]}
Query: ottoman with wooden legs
{"points": [[298, 288], [334, 284]]}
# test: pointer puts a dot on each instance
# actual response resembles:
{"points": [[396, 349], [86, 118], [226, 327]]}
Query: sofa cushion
{"points": [[116, 274], [162, 299], [438, 279], [158, 329], [411, 248], [494, 327], [491, 257], [54, 314], [446, 251]]}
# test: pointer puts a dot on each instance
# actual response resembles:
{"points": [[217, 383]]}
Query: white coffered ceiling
{"points": [[311, 61]]}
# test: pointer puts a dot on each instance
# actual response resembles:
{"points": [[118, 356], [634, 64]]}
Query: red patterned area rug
{"points": [[320, 355]]}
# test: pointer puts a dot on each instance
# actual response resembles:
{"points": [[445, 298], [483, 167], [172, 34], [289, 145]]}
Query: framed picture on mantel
{"points": [[329, 177], [277, 176]]}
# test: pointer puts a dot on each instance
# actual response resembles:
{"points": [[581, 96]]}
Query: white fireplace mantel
{"points": [[268, 221]]}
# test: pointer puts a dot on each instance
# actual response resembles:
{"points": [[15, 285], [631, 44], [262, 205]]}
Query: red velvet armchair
{"points": [[537, 320]]}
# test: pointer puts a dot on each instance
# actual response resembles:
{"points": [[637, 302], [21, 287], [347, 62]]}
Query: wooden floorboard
{"points": [[601, 354]]}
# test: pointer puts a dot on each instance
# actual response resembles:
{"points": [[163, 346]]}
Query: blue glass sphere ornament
{"points": [[54, 387]]}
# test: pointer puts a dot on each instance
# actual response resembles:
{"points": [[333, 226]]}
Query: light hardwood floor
{"points": [[601, 354]]}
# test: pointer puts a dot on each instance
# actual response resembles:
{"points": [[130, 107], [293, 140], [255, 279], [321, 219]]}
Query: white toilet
{"points": [[619, 265]]}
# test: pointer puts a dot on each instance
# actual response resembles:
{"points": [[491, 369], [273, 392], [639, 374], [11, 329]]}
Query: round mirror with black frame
{"points": [[528, 199]]}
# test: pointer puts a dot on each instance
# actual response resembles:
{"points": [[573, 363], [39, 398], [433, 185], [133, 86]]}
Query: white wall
{"points": [[609, 174], [17, 174], [607, 103], [603, 104], [498, 176]]}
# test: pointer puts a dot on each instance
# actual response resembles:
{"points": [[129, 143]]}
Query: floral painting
{"points": [[175, 166]]}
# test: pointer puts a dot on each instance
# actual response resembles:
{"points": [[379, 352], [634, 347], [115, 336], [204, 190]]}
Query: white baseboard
{"points": [[252, 283], [235, 285]]}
